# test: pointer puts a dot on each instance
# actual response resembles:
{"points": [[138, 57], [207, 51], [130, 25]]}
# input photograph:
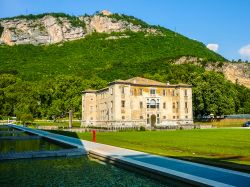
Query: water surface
{"points": [[69, 172]]}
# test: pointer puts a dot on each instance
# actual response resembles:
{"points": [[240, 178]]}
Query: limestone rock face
{"points": [[102, 24], [50, 29], [106, 13], [47, 30], [235, 72], [238, 73]]}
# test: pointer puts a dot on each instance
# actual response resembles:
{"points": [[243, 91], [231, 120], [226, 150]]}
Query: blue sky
{"points": [[223, 23]]}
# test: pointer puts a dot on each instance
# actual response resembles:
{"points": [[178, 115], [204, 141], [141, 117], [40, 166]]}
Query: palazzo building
{"points": [[138, 102]]}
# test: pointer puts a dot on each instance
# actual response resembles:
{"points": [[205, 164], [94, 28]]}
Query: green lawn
{"points": [[228, 148]]}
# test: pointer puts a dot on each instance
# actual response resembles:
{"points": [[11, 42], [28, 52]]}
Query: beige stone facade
{"points": [[138, 102]]}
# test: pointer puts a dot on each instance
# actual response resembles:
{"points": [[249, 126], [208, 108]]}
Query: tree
{"points": [[25, 118]]}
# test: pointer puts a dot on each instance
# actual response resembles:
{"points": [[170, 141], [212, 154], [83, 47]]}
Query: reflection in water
{"points": [[70, 172], [30, 145]]}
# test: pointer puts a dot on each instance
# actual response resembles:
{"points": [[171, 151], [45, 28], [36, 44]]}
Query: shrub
{"points": [[142, 128], [25, 118]]}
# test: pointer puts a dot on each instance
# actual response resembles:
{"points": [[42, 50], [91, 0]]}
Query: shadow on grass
{"points": [[218, 162]]}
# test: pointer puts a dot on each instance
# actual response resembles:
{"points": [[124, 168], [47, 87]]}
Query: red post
{"points": [[94, 136]]}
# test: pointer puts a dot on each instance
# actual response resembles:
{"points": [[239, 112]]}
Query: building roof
{"points": [[89, 91], [146, 82], [139, 81]]}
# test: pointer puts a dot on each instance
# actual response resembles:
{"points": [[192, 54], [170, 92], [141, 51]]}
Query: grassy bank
{"points": [[229, 148], [59, 124]]}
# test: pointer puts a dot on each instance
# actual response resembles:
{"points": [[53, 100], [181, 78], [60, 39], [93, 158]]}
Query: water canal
{"points": [[71, 172], [58, 171]]}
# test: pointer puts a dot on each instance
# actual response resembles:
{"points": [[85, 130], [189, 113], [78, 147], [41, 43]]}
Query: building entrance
{"points": [[153, 120]]}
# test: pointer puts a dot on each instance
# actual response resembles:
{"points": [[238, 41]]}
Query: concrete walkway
{"points": [[191, 173]]}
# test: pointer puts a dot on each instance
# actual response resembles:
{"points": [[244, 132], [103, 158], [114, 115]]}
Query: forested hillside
{"points": [[47, 80]]}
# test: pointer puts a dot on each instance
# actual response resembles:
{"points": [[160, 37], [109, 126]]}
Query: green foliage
{"points": [[212, 94], [130, 19], [74, 20], [142, 128], [46, 81], [1, 30], [37, 16], [108, 59], [25, 118]]}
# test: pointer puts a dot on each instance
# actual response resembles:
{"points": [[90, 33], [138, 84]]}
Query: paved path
{"points": [[193, 173]]}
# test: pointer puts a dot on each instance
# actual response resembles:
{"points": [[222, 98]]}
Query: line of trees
{"points": [[53, 98]]}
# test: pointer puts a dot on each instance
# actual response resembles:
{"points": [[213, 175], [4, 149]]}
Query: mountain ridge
{"points": [[46, 78], [58, 28]]}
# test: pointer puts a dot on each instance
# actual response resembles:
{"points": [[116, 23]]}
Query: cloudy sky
{"points": [[223, 25]]}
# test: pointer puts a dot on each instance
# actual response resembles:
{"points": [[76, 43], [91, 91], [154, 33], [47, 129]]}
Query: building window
{"points": [[185, 93], [173, 117], [186, 105], [177, 117], [141, 104], [135, 92], [173, 105], [123, 117], [173, 93], [91, 118], [158, 119], [111, 107], [141, 117], [140, 91], [164, 105], [123, 104], [164, 117], [186, 117], [152, 91], [164, 93], [123, 90], [148, 119], [132, 91], [152, 103]]}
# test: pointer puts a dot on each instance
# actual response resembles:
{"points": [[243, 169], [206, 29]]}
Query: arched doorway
{"points": [[153, 120]]}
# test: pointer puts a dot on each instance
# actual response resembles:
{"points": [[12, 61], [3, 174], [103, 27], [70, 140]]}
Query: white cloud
{"points": [[245, 51], [213, 47]]}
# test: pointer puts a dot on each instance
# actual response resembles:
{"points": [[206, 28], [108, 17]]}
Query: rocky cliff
{"points": [[54, 28], [235, 72]]}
